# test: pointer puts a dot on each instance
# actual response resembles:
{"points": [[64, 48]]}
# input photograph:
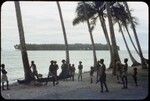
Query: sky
{"points": [[42, 25]]}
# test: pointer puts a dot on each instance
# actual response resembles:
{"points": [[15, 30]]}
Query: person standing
{"points": [[73, 71], [124, 74], [135, 76], [91, 73], [4, 77], [103, 76], [55, 72], [118, 71], [51, 67], [64, 68], [80, 67], [98, 70], [34, 69]]}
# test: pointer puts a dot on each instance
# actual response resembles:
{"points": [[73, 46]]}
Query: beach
{"points": [[82, 89]]}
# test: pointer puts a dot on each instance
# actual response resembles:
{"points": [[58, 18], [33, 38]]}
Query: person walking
{"points": [[80, 67], [4, 77], [103, 76]]}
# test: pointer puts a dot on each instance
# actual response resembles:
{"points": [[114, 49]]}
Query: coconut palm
{"points": [[136, 37], [113, 39], [92, 14], [119, 15], [27, 72], [83, 14], [64, 33]]}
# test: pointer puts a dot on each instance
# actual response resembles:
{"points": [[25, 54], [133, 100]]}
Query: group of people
{"points": [[122, 73], [68, 71]]}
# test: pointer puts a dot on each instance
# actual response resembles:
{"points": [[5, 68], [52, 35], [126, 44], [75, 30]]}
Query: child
{"points": [[91, 73], [135, 75]]}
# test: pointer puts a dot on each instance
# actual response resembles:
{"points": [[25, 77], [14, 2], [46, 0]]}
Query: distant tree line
{"points": [[98, 46]]}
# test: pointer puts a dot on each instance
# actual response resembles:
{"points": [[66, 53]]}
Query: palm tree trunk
{"points": [[107, 38], [27, 71], [134, 44], [64, 33], [131, 40], [92, 40], [113, 39], [136, 37], [135, 63]]}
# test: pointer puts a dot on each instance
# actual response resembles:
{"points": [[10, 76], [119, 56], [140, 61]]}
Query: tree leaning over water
{"points": [[136, 37], [120, 16], [27, 72], [64, 33]]}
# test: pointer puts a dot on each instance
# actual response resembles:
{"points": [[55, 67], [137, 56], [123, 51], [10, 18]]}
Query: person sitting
{"points": [[4, 77]]}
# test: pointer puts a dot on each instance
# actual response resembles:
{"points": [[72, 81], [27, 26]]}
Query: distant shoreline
{"points": [[98, 46]]}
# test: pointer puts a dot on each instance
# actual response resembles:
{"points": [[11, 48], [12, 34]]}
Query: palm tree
{"points": [[83, 15], [91, 36], [64, 33], [113, 39], [27, 71], [92, 14], [119, 15], [135, 63], [136, 37]]}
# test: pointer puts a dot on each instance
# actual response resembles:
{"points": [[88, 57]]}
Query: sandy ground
{"points": [[82, 89]]}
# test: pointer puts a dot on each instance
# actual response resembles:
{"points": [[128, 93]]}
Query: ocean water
{"points": [[13, 61]]}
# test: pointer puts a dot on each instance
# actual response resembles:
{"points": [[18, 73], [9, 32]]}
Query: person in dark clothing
{"points": [[135, 75], [51, 72], [64, 68], [73, 71], [55, 72], [97, 70], [34, 70], [80, 67], [124, 74], [91, 73], [103, 76], [4, 77]]}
